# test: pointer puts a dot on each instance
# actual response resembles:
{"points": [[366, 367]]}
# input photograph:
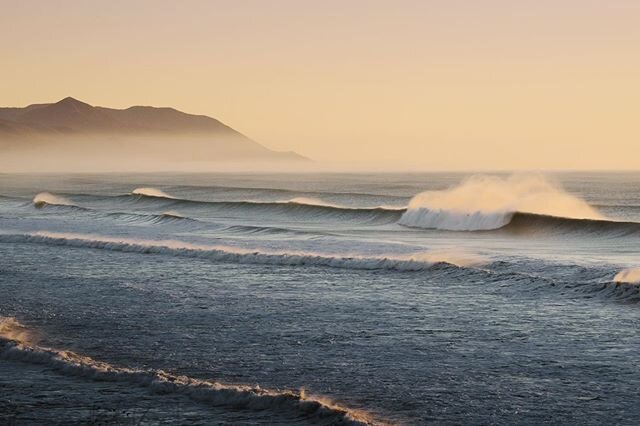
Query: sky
{"points": [[403, 84]]}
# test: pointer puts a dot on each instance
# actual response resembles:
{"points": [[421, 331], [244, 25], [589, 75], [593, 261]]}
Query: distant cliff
{"points": [[163, 133]]}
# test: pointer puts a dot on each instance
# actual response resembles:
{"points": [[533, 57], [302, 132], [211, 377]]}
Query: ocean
{"points": [[415, 298]]}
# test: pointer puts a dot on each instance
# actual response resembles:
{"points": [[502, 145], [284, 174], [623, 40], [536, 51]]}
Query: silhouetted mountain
{"points": [[77, 119]]}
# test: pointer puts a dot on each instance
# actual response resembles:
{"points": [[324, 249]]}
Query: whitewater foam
{"points": [[13, 347], [628, 276], [489, 202]]}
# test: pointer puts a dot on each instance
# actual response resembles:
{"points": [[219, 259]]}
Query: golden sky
{"points": [[477, 84]]}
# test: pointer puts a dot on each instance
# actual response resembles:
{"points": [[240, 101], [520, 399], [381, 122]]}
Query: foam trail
{"points": [[12, 347], [416, 262], [44, 198], [489, 202], [628, 276], [151, 192]]}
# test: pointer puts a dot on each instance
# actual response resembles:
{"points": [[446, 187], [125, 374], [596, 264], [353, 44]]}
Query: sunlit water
{"points": [[320, 289]]}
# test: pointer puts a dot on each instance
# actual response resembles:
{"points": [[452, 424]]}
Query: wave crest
{"points": [[151, 192], [46, 198], [489, 202], [628, 276]]}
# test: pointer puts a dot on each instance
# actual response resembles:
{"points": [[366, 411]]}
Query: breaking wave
{"points": [[490, 202], [46, 198], [416, 262], [151, 192], [14, 347]]}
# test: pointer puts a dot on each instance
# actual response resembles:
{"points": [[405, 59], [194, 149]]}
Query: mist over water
{"points": [[326, 299]]}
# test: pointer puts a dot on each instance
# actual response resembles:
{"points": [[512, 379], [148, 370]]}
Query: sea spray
{"points": [[489, 202], [44, 198], [628, 276]]}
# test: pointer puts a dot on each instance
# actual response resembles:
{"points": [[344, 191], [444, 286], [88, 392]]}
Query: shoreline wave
{"points": [[14, 348]]}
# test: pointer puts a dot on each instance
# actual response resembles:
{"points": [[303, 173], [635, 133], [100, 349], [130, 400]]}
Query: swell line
{"points": [[421, 262]]}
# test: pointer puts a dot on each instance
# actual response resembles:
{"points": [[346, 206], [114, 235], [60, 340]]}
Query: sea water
{"points": [[320, 298]]}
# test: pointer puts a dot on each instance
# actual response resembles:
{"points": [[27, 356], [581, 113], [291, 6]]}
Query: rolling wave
{"points": [[129, 217], [417, 262], [429, 214], [614, 286], [247, 191], [301, 207], [531, 223], [15, 346]]}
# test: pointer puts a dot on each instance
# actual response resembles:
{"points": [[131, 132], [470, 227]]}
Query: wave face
{"points": [[13, 347], [527, 223], [489, 202]]}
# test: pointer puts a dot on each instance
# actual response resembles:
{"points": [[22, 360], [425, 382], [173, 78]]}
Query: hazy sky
{"points": [[424, 84]]}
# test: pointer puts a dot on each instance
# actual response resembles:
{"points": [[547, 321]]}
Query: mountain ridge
{"points": [[77, 119]]}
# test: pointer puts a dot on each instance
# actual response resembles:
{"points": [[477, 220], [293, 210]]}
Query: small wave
{"points": [[489, 202], [13, 347], [416, 262], [149, 218], [151, 192], [628, 276], [46, 198], [173, 215]]}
